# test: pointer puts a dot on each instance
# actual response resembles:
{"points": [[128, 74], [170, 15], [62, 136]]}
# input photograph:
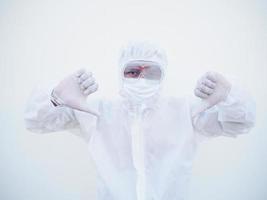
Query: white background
{"points": [[42, 41]]}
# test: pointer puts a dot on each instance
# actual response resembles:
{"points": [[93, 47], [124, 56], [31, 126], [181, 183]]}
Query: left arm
{"points": [[228, 111]]}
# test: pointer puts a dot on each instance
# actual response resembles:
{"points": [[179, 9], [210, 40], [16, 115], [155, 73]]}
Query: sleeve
{"points": [[234, 116], [41, 116]]}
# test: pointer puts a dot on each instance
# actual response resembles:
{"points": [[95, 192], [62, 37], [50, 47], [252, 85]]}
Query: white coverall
{"points": [[142, 152]]}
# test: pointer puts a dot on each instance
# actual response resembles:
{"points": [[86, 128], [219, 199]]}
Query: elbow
{"points": [[34, 127], [30, 122], [233, 129], [240, 123], [34, 124]]}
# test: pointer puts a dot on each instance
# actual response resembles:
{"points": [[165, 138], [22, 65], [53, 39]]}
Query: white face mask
{"points": [[138, 90]]}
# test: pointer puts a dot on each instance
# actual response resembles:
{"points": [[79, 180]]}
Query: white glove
{"points": [[212, 88], [73, 91]]}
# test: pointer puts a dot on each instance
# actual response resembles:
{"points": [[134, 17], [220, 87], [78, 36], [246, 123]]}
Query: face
{"points": [[143, 69]]}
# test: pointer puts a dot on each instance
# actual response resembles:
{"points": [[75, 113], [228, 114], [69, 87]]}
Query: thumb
{"points": [[84, 107]]}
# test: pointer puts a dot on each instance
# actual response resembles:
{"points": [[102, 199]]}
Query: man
{"points": [[142, 144]]}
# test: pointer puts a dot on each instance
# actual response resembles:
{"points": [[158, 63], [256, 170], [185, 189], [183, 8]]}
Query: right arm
{"points": [[41, 115]]}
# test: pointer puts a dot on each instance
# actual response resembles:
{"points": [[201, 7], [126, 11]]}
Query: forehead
{"points": [[141, 63]]}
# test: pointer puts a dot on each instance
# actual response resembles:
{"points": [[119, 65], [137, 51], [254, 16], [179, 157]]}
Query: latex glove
{"points": [[212, 88], [73, 91]]}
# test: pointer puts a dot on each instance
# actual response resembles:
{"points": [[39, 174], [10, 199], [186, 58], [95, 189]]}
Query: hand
{"points": [[212, 88], [74, 89]]}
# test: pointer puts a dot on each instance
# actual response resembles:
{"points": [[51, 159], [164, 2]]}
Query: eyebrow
{"points": [[132, 69]]}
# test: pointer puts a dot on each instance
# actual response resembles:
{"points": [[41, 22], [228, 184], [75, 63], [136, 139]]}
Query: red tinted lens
{"points": [[143, 69]]}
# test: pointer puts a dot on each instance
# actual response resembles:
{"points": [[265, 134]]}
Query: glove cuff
{"points": [[55, 99]]}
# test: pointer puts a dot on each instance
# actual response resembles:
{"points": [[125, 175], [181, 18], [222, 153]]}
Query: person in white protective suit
{"points": [[142, 143]]}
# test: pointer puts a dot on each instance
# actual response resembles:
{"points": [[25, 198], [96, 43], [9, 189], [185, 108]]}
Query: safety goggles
{"points": [[143, 69]]}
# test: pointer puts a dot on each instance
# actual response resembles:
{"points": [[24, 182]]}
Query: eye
{"points": [[131, 73]]}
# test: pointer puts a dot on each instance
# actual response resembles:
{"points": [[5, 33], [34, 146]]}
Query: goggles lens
{"points": [[147, 70]]}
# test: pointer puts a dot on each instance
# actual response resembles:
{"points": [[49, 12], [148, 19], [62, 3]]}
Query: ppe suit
{"points": [[143, 149]]}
